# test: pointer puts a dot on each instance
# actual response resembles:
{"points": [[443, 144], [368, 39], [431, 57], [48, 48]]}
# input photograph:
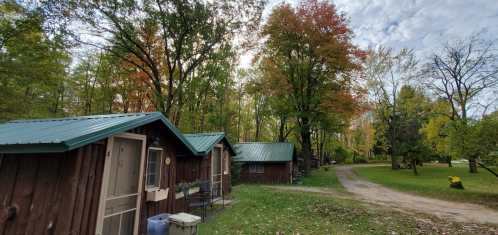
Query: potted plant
{"points": [[192, 186], [455, 182]]}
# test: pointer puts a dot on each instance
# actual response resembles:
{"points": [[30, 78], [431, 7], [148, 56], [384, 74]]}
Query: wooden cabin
{"points": [[314, 163], [212, 163], [92, 175], [266, 162]]}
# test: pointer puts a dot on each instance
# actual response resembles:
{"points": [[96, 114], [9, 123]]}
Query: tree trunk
{"points": [[281, 130], [321, 147], [472, 164], [448, 158], [180, 105], [306, 145], [414, 167], [394, 161]]}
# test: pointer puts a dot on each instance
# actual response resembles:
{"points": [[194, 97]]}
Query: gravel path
{"points": [[376, 194], [380, 195]]}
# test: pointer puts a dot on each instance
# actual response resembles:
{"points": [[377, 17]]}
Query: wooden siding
{"points": [[59, 192], [277, 172], [315, 162], [197, 168], [168, 174], [55, 191], [227, 178]]}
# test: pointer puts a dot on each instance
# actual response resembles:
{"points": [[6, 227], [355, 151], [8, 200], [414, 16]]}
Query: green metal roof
{"points": [[205, 142], [265, 152], [63, 134]]}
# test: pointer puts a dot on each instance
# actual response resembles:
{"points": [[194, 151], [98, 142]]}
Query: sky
{"points": [[417, 24]]}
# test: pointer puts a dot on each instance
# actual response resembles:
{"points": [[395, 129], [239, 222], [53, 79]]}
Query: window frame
{"points": [[157, 174], [257, 165], [226, 167]]}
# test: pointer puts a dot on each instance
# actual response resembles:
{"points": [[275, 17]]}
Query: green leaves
{"points": [[308, 61], [32, 65]]}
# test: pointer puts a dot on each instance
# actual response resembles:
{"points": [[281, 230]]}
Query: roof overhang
{"points": [[111, 130]]}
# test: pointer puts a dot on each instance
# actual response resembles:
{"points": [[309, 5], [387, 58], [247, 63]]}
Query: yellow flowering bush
{"points": [[455, 182]]}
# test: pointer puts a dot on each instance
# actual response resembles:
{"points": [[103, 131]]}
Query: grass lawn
{"points": [[261, 210], [433, 181], [322, 178], [267, 210]]}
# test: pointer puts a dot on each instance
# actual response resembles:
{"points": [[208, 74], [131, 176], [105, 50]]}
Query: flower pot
{"points": [[157, 195], [190, 191]]}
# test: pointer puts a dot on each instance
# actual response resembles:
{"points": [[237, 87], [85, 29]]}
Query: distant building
{"points": [[266, 162]]}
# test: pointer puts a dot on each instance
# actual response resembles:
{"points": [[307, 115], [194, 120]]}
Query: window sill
{"points": [[152, 189], [157, 195]]}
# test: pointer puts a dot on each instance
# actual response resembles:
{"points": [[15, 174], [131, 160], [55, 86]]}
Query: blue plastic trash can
{"points": [[158, 224]]}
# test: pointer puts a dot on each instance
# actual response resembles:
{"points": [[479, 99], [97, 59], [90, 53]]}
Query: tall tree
{"points": [[462, 71], [412, 113], [167, 39], [387, 72], [481, 143], [437, 129], [32, 64], [310, 47]]}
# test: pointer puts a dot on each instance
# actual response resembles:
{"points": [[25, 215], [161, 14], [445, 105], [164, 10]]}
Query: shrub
{"points": [[235, 169], [455, 182]]}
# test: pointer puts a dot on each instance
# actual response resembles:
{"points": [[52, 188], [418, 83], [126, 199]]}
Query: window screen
{"points": [[256, 168], [153, 168], [261, 167], [252, 167]]}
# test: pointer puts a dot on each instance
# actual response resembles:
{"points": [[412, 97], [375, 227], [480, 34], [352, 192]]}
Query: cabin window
{"points": [[256, 168], [226, 169], [312, 162], [153, 168]]}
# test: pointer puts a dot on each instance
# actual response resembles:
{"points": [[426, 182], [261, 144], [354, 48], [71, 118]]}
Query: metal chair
{"points": [[213, 194], [203, 203]]}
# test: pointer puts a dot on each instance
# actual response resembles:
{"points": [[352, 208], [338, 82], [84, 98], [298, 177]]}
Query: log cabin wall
{"points": [[227, 178], [168, 173], [314, 163], [56, 192], [59, 192], [197, 168], [274, 172]]}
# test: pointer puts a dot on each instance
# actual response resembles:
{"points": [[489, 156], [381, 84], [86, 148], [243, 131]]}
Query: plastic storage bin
{"points": [[184, 224], [158, 225]]}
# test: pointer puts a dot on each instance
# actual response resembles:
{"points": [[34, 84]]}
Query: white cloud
{"points": [[415, 24]]}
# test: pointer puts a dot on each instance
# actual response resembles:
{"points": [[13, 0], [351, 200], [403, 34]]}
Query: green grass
{"points": [[261, 210], [268, 210], [322, 178], [432, 181]]}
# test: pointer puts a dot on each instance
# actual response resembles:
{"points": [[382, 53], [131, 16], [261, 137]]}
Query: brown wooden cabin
{"points": [[314, 163], [90, 175], [266, 162], [213, 165]]}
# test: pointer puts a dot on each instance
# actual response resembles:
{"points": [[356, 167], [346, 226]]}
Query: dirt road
{"points": [[378, 194], [369, 192]]}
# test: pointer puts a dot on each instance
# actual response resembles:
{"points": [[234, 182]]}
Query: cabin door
{"points": [[217, 168], [123, 186]]}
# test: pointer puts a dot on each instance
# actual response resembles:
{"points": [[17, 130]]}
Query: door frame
{"points": [[105, 179], [221, 165]]}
